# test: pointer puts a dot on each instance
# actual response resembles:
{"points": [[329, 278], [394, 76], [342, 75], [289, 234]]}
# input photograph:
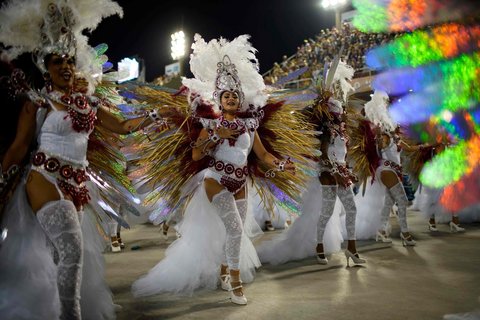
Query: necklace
{"points": [[233, 125], [79, 109]]}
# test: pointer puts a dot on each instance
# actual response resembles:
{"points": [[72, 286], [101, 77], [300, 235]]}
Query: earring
{"points": [[48, 82]]}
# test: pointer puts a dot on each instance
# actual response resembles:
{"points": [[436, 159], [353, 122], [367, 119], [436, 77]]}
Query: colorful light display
{"points": [[435, 74]]}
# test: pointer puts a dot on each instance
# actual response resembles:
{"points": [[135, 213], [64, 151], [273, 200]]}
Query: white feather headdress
{"points": [[377, 112], [54, 26], [340, 82], [206, 59]]}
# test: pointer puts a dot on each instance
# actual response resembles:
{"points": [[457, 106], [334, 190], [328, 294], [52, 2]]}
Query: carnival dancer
{"points": [[428, 199], [45, 216], [387, 176], [227, 102], [327, 113]]}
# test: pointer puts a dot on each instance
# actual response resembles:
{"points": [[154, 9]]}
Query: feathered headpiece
{"points": [[221, 65], [333, 88], [376, 111], [337, 79], [227, 80], [44, 27]]}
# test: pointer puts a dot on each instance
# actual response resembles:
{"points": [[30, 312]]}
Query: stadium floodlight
{"points": [[178, 45], [333, 4]]}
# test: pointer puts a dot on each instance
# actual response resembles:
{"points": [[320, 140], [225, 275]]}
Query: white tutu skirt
{"points": [[192, 262], [369, 210], [428, 201], [28, 275], [300, 240]]}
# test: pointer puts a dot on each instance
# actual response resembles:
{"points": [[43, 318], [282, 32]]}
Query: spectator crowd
{"points": [[315, 52]]}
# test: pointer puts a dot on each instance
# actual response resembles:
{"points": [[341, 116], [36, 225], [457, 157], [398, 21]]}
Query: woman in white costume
{"points": [[50, 263], [213, 228], [387, 190], [335, 180]]}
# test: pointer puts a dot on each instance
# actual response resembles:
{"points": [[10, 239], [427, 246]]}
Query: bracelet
{"points": [[214, 137], [153, 114], [6, 176], [281, 166]]}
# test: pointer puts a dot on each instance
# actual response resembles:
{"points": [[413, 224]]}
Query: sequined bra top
{"points": [[234, 151], [337, 150], [391, 152], [60, 137]]}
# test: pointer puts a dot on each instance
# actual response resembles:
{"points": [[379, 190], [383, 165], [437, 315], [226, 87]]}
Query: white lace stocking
{"points": [[226, 207], [385, 214], [329, 195], [346, 197], [397, 192], [60, 221], [242, 209]]}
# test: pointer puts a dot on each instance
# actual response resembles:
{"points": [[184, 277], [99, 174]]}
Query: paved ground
{"points": [[441, 275]]}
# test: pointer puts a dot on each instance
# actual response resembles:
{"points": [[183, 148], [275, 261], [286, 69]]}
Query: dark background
{"points": [[277, 27]]}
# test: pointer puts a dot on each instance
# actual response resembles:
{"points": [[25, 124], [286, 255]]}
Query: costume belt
{"points": [[70, 178], [233, 177], [393, 165]]}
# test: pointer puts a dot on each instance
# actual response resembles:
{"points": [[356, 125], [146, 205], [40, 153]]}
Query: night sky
{"points": [[277, 27]]}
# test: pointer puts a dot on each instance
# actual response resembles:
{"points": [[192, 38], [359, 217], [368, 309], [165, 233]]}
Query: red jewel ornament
{"points": [[231, 184], [39, 159], [79, 111], [233, 125], [239, 173], [79, 176], [66, 99], [66, 171], [52, 164], [81, 102], [82, 122], [80, 196], [229, 168]]}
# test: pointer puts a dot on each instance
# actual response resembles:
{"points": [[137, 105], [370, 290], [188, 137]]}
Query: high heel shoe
{"points": [[383, 237], [164, 230], [241, 300], [122, 245], [321, 260], [432, 227], [455, 227], [114, 244], [355, 258], [225, 282], [407, 241], [269, 226]]}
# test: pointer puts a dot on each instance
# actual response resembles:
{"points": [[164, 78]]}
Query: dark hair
{"points": [[47, 59], [12, 105]]}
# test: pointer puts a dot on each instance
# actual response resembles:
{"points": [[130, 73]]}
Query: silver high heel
{"points": [[354, 257], [269, 226], [225, 282], [455, 227], [432, 227], [164, 230], [322, 260], [383, 237], [241, 300], [114, 244], [407, 241]]}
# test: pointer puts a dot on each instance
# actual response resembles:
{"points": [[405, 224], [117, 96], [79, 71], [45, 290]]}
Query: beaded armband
{"points": [[280, 167]]}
